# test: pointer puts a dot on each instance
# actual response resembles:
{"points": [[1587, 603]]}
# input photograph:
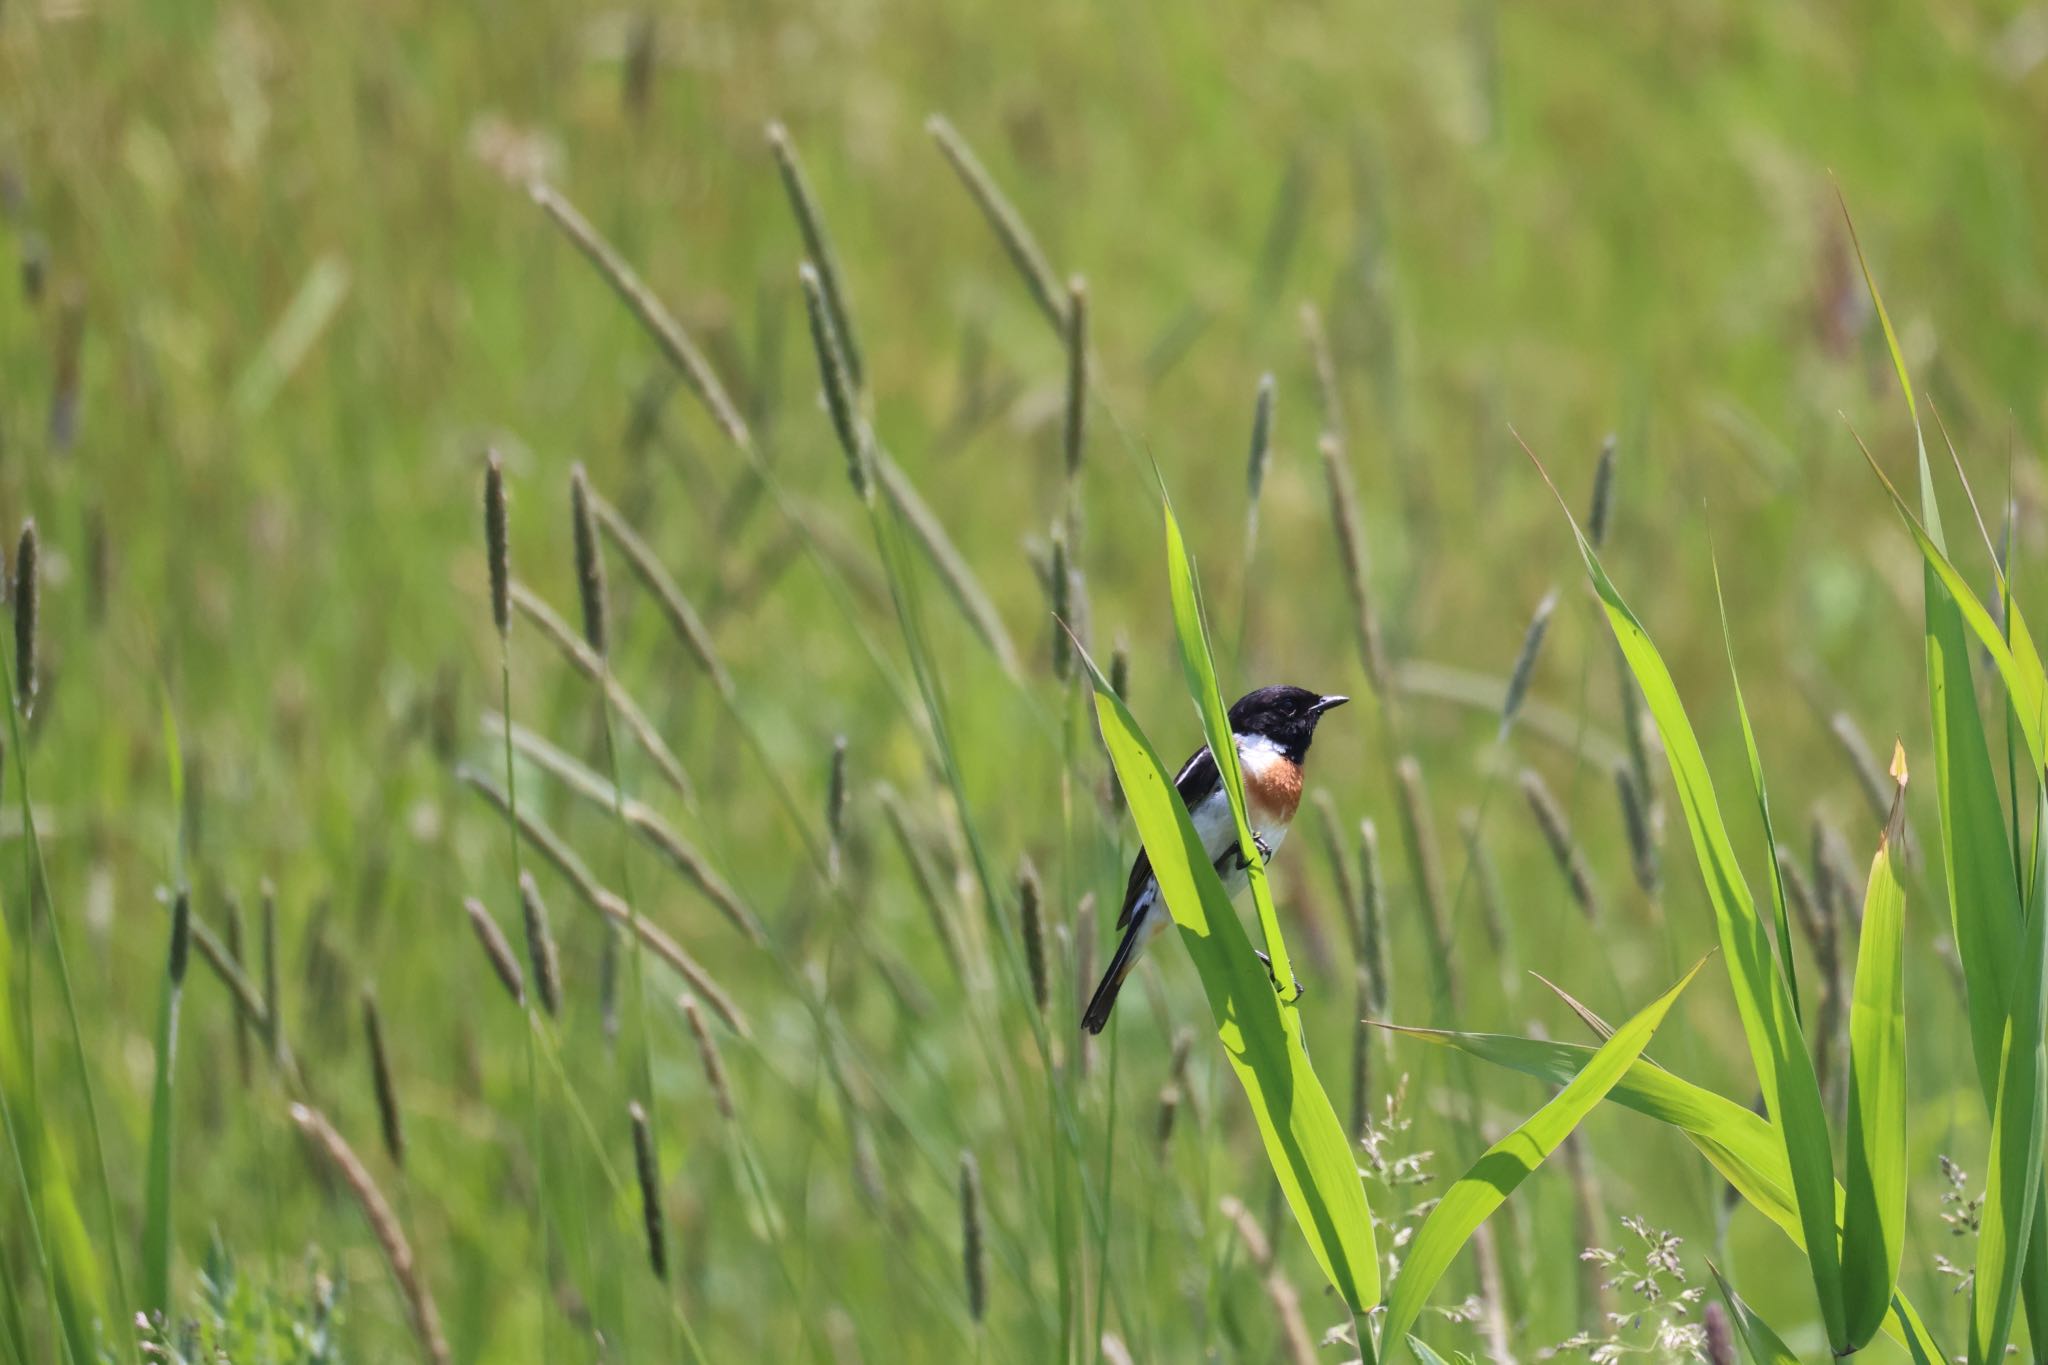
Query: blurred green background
{"points": [[279, 288]]}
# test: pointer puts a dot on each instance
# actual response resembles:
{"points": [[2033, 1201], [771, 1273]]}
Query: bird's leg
{"points": [[1263, 957]]}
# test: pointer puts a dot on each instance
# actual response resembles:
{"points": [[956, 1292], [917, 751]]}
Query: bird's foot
{"points": [[1267, 959]]}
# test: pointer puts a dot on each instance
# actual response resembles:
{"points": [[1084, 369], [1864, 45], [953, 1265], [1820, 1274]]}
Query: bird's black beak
{"points": [[1329, 703]]}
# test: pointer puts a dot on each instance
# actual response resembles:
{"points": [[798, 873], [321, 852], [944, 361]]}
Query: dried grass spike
{"points": [[707, 1050], [426, 1321], [1262, 442]]}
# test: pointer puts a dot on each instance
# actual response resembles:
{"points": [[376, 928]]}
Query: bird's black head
{"points": [[1285, 715]]}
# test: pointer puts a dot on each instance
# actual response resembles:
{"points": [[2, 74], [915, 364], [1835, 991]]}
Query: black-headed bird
{"points": [[1273, 728]]}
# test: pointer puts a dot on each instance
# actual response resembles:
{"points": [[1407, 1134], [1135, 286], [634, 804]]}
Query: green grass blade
{"points": [[1199, 664], [1763, 804], [1304, 1139], [1874, 1216], [1784, 1070], [1983, 891], [2012, 1186], [1759, 1342], [1739, 1143], [1506, 1164], [2012, 650]]}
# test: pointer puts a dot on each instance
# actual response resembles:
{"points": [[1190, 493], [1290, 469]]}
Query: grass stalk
{"points": [[21, 685]]}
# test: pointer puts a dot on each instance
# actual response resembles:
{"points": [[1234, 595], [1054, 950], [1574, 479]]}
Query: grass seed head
{"points": [[1372, 915], [707, 1051], [647, 1168], [1601, 508], [496, 948], [540, 945], [381, 1081], [273, 1005], [1061, 583], [1262, 441], [1720, 1340], [1557, 833], [817, 244], [840, 400], [1031, 917], [1003, 219], [27, 607], [1642, 839], [973, 1269], [181, 935], [496, 543], [590, 584], [1075, 430], [1525, 661]]}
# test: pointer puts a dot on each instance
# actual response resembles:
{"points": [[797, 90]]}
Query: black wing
{"points": [[1196, 783]]}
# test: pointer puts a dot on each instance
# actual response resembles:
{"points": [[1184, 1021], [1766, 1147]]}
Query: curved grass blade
{"points": [[1304, 1139], [1759, 1342], [1763, 805], [1506, 1164], [2016, 658], [1198, 663], [1874, 1215], [1784, 1070]]}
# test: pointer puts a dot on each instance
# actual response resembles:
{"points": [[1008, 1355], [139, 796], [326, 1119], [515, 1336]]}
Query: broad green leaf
{"points": [[1736, 1141], [2012, 1186], [1770, 1023], [1874, 1216], [1506, 1164], [1310, 1154], [1759, 1342], [1198, 663]]}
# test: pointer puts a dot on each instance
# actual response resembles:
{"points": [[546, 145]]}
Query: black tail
{"points": [[1104, 999]]}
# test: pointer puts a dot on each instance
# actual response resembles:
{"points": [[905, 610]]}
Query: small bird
{"points": [[1273, 727]]}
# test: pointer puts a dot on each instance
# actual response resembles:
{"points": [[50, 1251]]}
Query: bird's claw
{"points": [[1267, 959]]}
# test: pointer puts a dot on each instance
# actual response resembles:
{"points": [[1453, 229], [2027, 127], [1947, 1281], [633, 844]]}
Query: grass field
{"points": [[282, 285]]}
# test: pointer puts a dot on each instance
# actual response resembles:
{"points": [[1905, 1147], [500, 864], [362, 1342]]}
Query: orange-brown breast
{"points": [[1273, 791]]}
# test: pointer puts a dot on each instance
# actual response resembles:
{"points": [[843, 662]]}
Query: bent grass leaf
{"points": [[1506, 1164], [1770, 1023], [1874, 1216], [1304, 1139]]}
